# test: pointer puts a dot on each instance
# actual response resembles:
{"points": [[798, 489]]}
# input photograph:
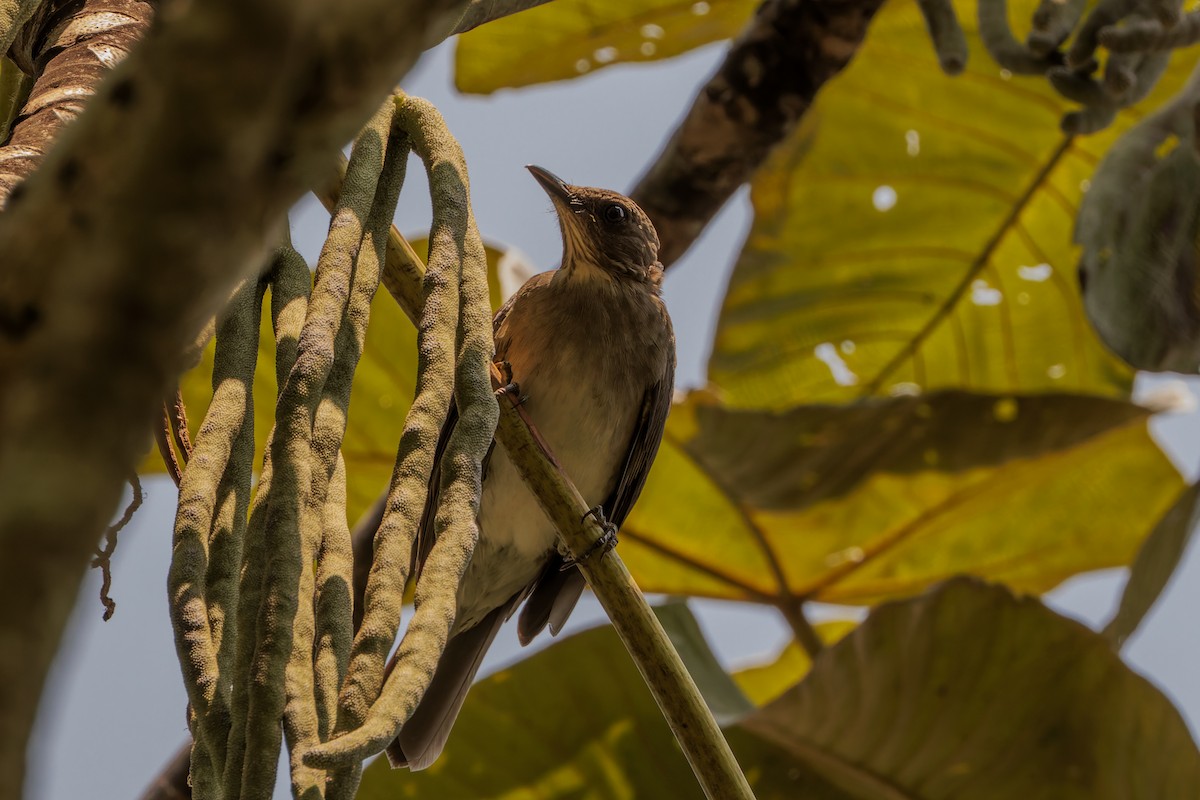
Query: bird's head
{"points": [[602, 230]]}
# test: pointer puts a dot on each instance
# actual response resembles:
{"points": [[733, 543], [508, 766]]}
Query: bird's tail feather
{"points": [[554, 596], [424, 735]]}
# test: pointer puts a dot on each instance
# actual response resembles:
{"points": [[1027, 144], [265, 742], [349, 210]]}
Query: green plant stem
{"points": [[673, 688], [802, 629]]}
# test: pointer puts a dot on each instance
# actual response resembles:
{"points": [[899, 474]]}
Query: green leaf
{"points": [[916, 232], [1154, 565], [971, 692], [877, 500], [724, 697], [569, 38], [966, 692], [575, 722], [383, 385]]}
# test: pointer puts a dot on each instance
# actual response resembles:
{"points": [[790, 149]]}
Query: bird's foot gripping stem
{"points": [[606, 542], [510, 388]]}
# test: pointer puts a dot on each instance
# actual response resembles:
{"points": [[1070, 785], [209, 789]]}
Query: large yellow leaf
{"points": [[916, 232], [879, 499], [569, 38], [383, 386]]}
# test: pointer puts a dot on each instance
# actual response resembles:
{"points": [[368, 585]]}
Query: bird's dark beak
{"points": [[555, 186]]}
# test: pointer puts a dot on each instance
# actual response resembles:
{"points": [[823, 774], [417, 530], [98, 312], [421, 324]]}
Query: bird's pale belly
{"points": [[515, 535]]}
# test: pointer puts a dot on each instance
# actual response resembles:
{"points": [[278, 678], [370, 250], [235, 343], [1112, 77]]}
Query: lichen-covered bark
{"points": [[152, 205], [767, 82], [69, 46]]}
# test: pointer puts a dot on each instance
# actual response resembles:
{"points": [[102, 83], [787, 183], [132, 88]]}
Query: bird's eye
{"points": [[615, 213]]}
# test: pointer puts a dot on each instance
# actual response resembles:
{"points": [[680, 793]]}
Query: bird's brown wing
{"points": [[424, 734], [557, 589], [550, 598], [643, 447], [425, 533]]}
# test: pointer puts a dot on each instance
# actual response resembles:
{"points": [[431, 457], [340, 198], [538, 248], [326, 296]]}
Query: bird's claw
{"points": [[606, 542], [510, 387]]}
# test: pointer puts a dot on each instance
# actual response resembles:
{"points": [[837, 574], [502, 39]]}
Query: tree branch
{"points": [[766, 84], [173, 168]]}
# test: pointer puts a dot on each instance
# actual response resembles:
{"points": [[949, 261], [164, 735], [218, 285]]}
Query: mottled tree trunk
{"points": [[128, 236]]}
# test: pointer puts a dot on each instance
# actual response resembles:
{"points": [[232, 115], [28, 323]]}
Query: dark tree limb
{"points": [[154, 203], [766, 84]]}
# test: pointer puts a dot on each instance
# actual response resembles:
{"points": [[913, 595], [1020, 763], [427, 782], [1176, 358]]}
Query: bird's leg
{"points": [[510, 387], [606, 542]]}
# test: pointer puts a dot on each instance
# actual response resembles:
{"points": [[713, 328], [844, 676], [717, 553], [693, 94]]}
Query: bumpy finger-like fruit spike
{"points": [[1150, 35], [1053, 22], [1003, 46], [949, 41], [1137, 226], [1078, 86], [1149, 68], [1165, 11], [1106, 14], [1119, 75], [1088, 119], [456, 324]]}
